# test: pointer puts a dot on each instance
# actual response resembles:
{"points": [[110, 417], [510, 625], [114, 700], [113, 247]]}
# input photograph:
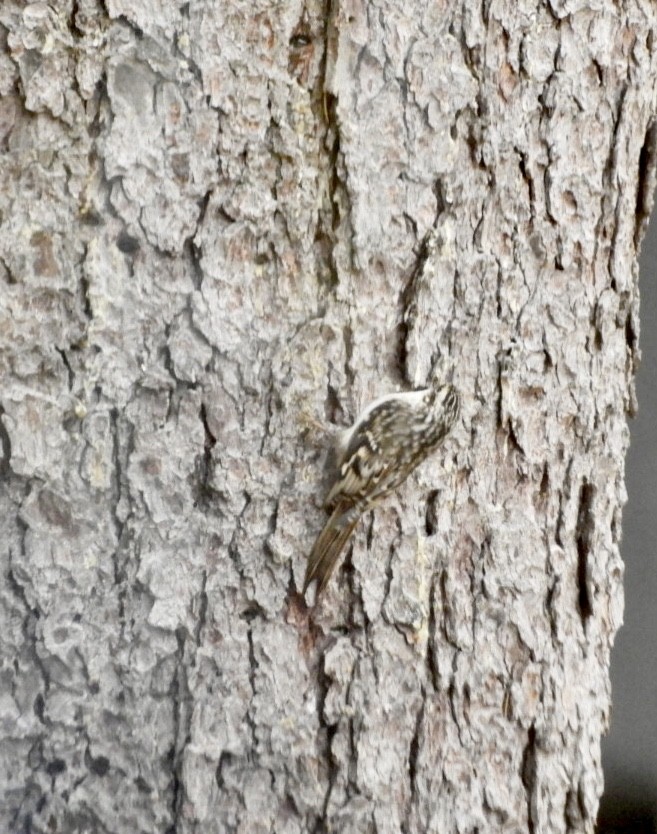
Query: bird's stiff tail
{"points": [[329, 545]]}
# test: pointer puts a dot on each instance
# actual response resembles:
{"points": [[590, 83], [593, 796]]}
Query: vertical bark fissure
{"points": [[433, 675], [205, 492], [118, 522], [413, 766], [529, 776], [5, 443], [645, 191], [250, 718], [181, 714], [584, 533], [329, 221]]}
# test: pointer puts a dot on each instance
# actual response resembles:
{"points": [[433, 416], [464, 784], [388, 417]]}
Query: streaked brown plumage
{"points": [[385, 444]]}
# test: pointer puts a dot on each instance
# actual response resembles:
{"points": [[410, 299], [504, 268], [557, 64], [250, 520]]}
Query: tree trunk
{"points": [[221, 224]]}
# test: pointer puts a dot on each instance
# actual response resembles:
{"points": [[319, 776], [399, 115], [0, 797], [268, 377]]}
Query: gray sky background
{"points": [[630, 750]]}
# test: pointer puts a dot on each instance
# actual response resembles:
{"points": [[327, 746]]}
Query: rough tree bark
{"points": [[222, 222]]}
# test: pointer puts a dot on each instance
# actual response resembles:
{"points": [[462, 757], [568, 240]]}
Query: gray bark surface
{"points": [[221, 223]]}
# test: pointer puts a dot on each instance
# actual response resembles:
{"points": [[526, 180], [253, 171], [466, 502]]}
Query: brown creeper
{"points": [[388, 440]]}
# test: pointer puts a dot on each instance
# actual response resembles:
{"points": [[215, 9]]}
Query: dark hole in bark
{"points": [[431, 513]]}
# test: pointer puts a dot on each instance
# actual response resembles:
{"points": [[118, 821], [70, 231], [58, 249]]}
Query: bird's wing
{"points": [[366, 465]]}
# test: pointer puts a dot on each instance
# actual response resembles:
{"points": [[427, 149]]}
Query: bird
{"points": [[373, 458]]}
